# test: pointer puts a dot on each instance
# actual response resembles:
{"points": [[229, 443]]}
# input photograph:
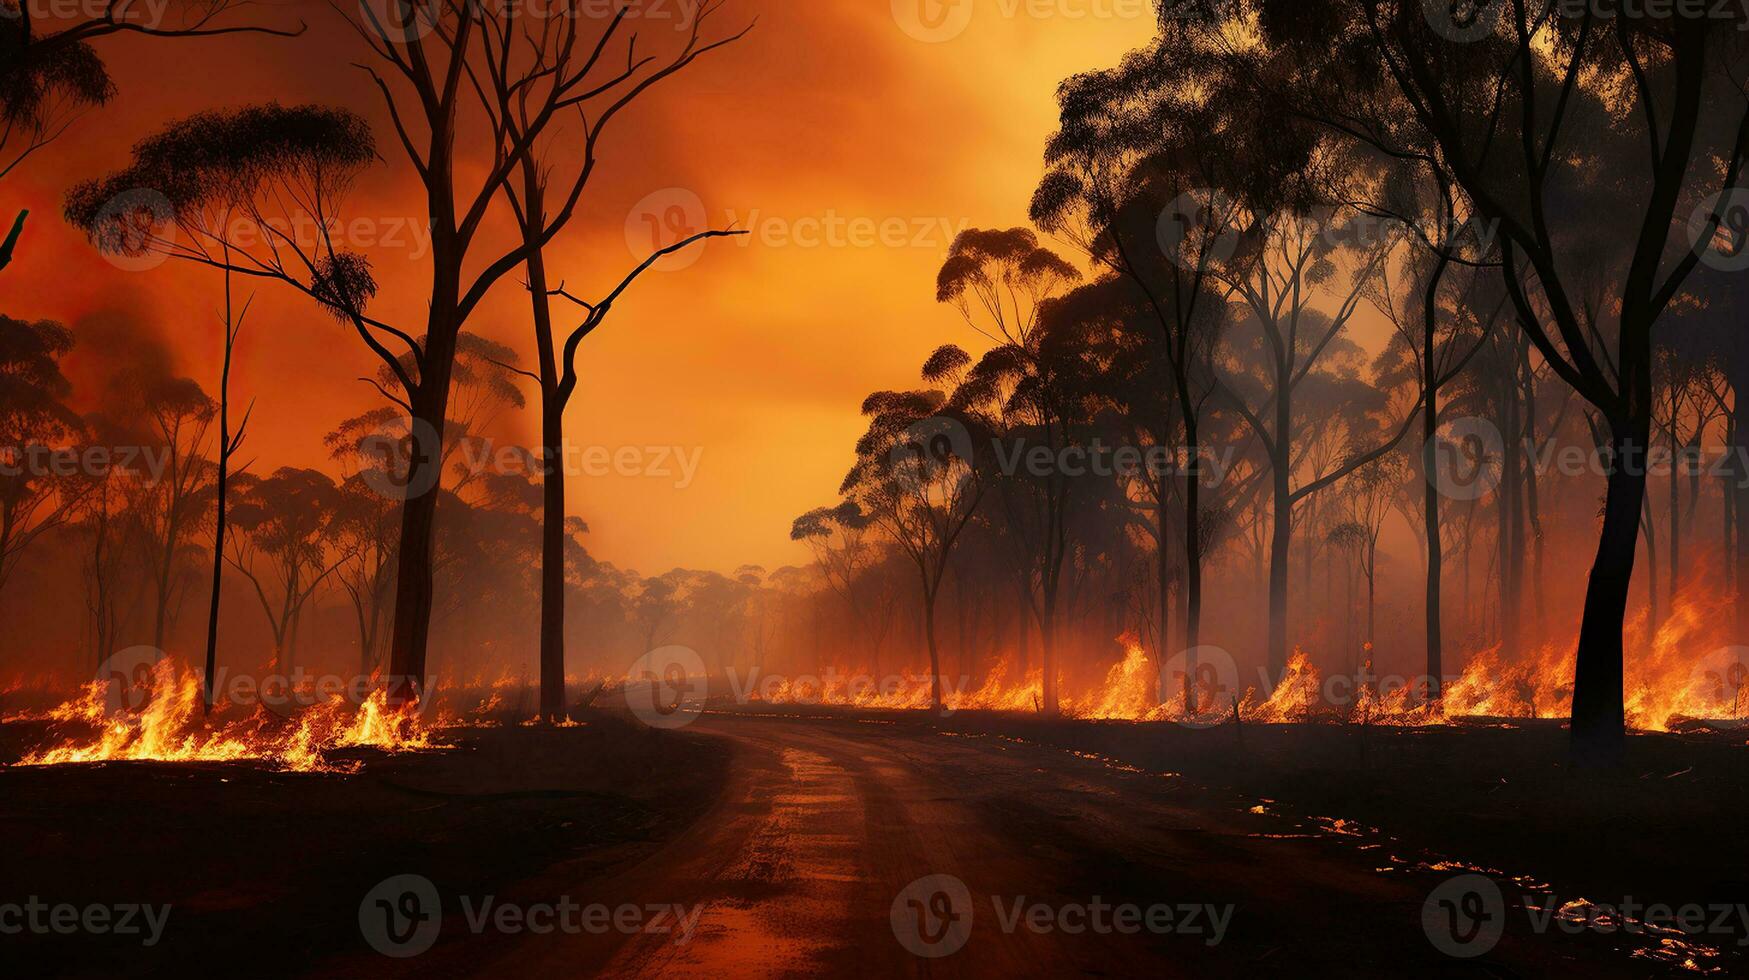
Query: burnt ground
{"points": [[1672, 825], [793, 831], [265, 869]]}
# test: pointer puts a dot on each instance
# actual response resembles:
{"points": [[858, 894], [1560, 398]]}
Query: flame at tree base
{"points": [[171, 727]]}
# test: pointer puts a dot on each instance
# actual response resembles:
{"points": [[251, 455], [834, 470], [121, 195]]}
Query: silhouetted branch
{"points": [[513, 369], [598, 311], [388, 394], [11, 242]]}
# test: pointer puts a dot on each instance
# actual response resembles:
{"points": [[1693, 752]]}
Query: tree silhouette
{"points": [[198, 177], [170, 498], [281, 521], [1169, 153], [362, 528], [658, 603], [519, 112], [183, 196], [1000, 281], [1370, 496], [1427, 358], [1129, 152], [34, 418], [1274, 351], [558, 379], [49, 78], [919, 477], [526, 69], [1544, 104], [100, 565], [839, 539], [229, 443]]}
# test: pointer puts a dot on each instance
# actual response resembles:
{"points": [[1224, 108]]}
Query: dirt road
{"points": [[1033, 862]]}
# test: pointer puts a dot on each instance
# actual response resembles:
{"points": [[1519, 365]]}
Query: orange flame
{"points": [[170, 728], [1682, 673]]}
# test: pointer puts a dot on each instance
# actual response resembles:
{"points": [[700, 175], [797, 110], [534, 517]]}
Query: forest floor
{"points": [[1425, 804], [786, 838], [1668, 826], [264, 871]]}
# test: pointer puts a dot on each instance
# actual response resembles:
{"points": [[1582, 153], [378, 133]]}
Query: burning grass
{"points": [[1678, 676], [236, 848], [170, 726]]}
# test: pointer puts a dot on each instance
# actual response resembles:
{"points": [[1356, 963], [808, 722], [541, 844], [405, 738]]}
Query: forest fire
{"points": [[1669, 687], [1226, 487], [1673, 682], [170, 727]]}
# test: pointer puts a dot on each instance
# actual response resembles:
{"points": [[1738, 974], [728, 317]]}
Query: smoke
{"points": [[118, 352]]}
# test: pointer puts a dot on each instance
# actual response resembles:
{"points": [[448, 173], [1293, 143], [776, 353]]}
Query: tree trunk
{"points": [[1675, 516], [413, 597], [960, 607], [161, 610], [1469, 588], [1511, 516], [1372, 567], [1598, 732], [552, 573], [366, 641], [1348, 574], [1280, 541], [1430, 499], [1654, 597], [1048, 640], [1739, 558], [1192, 544], [1532, 505], [1538, 554], [1732, 480], [224, 475], [414, 586], [102, 618], [212, 616], [552, 577], [934, 654], [1162, 533]]}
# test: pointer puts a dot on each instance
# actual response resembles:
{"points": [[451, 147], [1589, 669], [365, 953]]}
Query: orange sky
{"points": [[755, 358]]}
